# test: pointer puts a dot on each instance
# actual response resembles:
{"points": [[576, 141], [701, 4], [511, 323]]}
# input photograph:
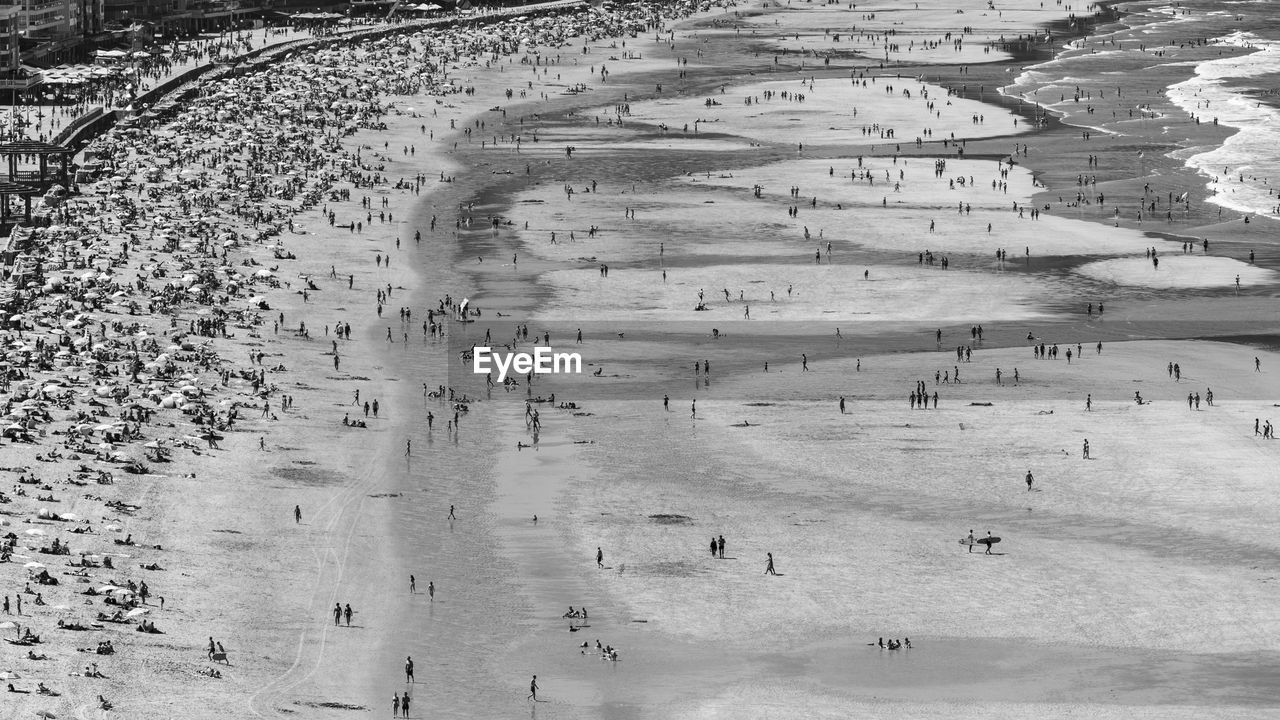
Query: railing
{"points": [[85, 128]]}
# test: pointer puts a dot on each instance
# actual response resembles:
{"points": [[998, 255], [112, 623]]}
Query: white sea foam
{"points": [[1254, 151]]}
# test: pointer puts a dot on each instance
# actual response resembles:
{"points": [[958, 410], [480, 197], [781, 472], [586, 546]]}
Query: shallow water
{"points": [[784, 479]]}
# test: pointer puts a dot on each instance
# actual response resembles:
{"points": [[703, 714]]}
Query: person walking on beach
{"points": [[1086, 448], [693, 409], [970, 541], [1030, 480], [720, 544], [337, 617], [297, 513], [666, 403], [431, 590], [395, 705], [804, 362], [599, 558], [451, 516], [533, 689], [404, 705], [413, 585], [989, 543], [348, 614], [768, 568], [841, 404], [408, 669]]}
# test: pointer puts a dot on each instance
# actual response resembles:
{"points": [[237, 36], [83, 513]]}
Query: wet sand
{"points": [[864, 507]]}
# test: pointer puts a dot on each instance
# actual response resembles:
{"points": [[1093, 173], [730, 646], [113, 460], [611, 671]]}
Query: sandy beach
{"points": [[236, 369]]}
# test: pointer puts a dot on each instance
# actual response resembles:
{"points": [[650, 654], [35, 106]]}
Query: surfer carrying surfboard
{"points": [[988, 541]]}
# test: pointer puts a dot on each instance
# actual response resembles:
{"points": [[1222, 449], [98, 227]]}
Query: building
{"points": [[51, 31], [15, 78], [10, 31]]}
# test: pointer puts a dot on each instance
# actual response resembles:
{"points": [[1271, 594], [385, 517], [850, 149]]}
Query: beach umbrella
{"points": [[33, 564], [35, 531], [137, 611], [9, 674], [8, 625]]}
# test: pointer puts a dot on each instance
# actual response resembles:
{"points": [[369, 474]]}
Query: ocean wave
{"points": [[1242, 168]]}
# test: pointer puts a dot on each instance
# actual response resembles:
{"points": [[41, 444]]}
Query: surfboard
{"points": [[988, 540]]}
